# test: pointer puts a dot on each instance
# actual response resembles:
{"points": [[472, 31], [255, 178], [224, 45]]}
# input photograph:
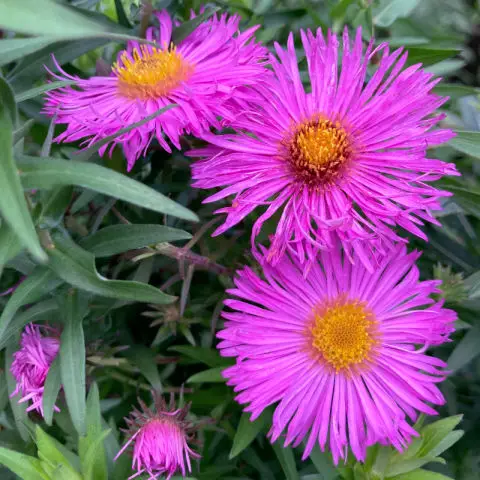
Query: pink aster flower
{"points": [[201, 75], [341, 351], [159, 439], [32, 362], [343, 160]]}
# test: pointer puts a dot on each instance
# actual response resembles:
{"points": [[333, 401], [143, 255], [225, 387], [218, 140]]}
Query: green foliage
{"points": [[124, 265]]}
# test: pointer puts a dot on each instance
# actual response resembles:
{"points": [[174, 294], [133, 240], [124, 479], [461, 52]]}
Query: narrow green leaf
{"points": [[209, 356], [247, 431], [212, 375], [446, 67], [77, 267], [323, 463], [92, 456], [287, 461], [32, 67], [37, 172], [9, 245], [51, 389], [49, 453], [435, 432], [20, 132], [455, 91], [121, 15], [72, 361], [27, 468], [428, 55], [90, 151], [186, 28], [121, 238], [405, 466], [91, 447], [35, 92], [450, 439], [466, 350], [30, 290], [389, 10], [13, 206], [54, 207], [48, 17], [420, 474], [13, 48], [144, 359], [37, 312], [24, 425], [467, 142]]}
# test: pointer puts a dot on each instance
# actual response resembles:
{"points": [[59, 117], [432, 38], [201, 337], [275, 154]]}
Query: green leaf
{"points": [[212, 375], [389, 10], [121, 15], [90, 151], [51, 18], [144, 359], [51, 389], [209, 356], [247, 431], [37, 284], [49, 453], [35, 92], [77, 267], [92, 471], [186, 28], [91, 447], [37, 312], [420, 474], [24, 425], [287, 461], [446, 67], [121, 238], [406, 466], [72, 361], [32, 67], [9, 245], [54, 207], [20, 132], [466, 350], [323, 463], [26, 467], [434, 433], [455, 91], [38, 172], [13, 48], [13, 206], [428, 55], [467, 142]]}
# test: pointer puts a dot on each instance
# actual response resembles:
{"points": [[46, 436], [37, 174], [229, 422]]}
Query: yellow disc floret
{"points": [[318, 150], [344, 333], [150, 72]]}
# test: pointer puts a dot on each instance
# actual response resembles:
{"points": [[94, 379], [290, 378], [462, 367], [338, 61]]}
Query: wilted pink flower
{"points": [[32, 362], [201, 74], [345, 161], [340, 351], [159, 439]]}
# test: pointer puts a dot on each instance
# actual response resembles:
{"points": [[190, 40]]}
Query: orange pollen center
{"points": [[344, 332], [152, 73], [318, 151]]}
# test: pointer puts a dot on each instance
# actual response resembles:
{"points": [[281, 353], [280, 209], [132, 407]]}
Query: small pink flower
{"points": [[207, 75], [159, 438], [32, 362]]}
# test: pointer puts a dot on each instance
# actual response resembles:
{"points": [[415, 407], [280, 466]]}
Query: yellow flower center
{"points": [[152, 73], [318, 151], [344, 333]]}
